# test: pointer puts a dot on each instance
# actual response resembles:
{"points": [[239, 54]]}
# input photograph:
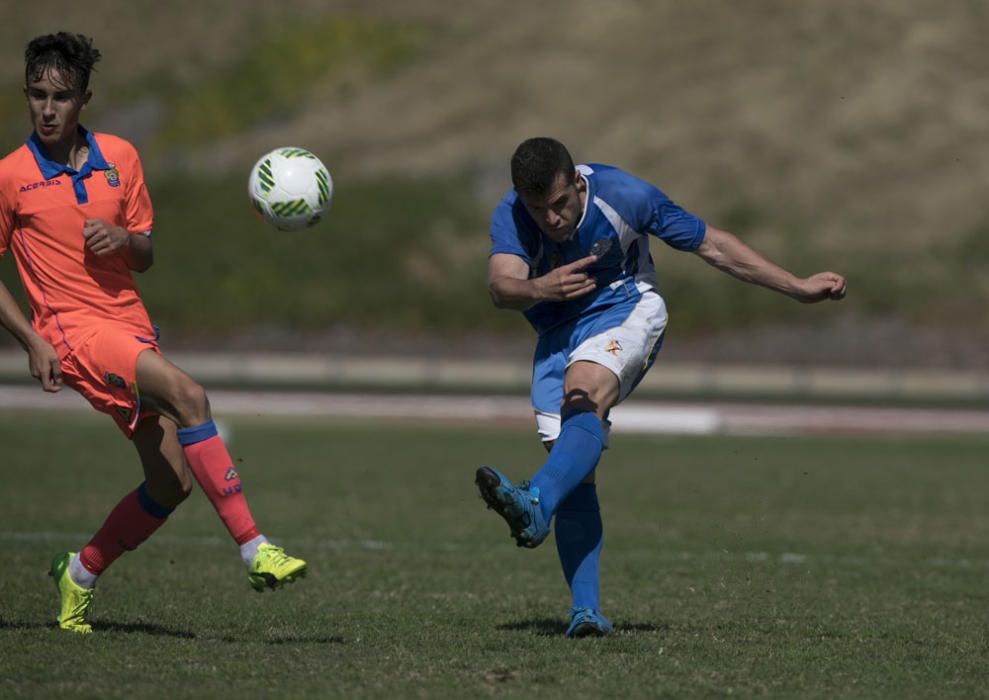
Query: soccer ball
{"points": [[290, 188]]}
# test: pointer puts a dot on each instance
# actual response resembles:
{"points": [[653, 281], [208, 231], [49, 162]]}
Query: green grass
{"points": [[845, 567]]}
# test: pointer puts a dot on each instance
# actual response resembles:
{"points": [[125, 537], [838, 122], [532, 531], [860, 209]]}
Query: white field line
{"points": [[631, 417], [661, 555]]}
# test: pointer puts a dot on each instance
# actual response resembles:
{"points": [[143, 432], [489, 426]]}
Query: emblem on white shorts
{"points": [[614, 347]]}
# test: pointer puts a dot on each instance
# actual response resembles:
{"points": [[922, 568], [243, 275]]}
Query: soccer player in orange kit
{"points": [[76, 214]]}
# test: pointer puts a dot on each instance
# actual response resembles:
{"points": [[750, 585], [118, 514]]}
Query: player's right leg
{"points": [[586, 391], [135, 518], [611, 351], [176, 395], [519, 505], [590, 390]]}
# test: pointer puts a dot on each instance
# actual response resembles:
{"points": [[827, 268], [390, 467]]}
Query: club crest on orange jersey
{"points": [[116, 380], [112, 177]]}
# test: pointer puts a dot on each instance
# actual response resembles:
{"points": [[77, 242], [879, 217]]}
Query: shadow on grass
{"points": [[551, 627], [157, 630], [544, 627], [124, 627], [141, 628]]}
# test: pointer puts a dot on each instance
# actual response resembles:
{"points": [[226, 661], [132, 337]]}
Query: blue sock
{"points": [[579, 535], [574, 455]]}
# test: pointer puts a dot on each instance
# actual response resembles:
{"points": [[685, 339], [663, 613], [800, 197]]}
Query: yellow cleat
{"points": [[272, 567], [75, 600]]}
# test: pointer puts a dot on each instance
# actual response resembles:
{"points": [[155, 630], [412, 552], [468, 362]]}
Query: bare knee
{"points": [[580, 400], [590, 388], [190, 402]]}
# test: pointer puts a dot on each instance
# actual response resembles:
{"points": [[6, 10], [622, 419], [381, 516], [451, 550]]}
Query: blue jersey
{"points": [[619, 208]]}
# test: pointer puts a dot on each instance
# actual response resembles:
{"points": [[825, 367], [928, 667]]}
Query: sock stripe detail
{"points": [[197, 433], [149, 505]]}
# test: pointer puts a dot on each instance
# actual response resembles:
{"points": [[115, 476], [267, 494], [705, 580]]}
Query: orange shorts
{"points": [[104, 370]]}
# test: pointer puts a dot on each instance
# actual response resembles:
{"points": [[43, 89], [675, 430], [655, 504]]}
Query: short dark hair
{"points": [[72, 54], [537, 162]]}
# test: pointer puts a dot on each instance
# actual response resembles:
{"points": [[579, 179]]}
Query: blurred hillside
{"points": [[841, 135]]}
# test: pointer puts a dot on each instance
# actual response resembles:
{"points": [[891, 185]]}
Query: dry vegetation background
{"points": [[843, 134]]}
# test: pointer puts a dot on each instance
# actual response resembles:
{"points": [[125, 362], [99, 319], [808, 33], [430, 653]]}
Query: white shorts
{"points": [[624, 340]]}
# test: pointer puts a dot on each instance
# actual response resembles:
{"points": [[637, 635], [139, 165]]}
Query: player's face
{"points": [[55, 102], [558, 212]]}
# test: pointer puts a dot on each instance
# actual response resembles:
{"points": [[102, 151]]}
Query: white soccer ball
{"points": [[290, 188]]}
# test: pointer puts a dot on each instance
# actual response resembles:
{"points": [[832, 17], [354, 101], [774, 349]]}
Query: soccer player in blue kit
{"points": [[570, 249]]}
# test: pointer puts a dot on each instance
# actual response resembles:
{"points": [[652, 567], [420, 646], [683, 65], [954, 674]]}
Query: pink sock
{"points": [[132, 521], [211, 465]]}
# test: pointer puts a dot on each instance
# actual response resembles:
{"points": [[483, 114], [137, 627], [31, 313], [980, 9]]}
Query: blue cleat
{"points": [[518, 505], [588, 622]]}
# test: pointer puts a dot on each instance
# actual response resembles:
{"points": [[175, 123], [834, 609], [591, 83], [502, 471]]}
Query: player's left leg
{"points": [[176, 395], [579, 537], [627, 350]]}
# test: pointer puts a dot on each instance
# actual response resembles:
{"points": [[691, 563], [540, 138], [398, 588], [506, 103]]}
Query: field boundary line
{"points": [[634, 416], [329, 371]]}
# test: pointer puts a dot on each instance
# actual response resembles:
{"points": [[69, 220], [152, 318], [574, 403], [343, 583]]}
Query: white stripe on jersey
{"points": [[629, 237]]}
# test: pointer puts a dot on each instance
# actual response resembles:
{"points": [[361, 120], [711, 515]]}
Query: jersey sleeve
{"points": [[648, 210], [505, 231], [138, 204], [676, 226]]}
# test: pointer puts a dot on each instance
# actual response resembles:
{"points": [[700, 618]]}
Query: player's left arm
{"points": [[727, 253], [105, 239]]}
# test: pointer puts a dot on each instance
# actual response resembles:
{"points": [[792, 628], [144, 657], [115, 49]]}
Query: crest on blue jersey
{"points": [[112, 177]]}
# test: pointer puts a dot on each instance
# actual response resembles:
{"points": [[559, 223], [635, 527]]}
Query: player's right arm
{"points": [[510, 287], [105, 239], [42, 358]]}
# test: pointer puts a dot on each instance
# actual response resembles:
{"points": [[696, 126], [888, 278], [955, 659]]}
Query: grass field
{"points": [[841, 567]]}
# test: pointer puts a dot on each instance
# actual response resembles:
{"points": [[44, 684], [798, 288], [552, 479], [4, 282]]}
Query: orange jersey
{"points": [[43, 206]]}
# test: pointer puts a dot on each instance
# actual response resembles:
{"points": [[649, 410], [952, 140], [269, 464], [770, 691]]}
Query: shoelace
{"points": [[581, 614], [533, 492], [277, 555]]}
